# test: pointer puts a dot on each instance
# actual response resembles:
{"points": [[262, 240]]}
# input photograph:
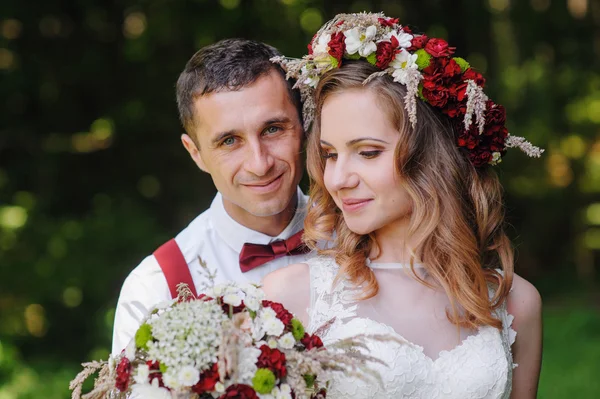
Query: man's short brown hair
{"points": [[227, 65]]}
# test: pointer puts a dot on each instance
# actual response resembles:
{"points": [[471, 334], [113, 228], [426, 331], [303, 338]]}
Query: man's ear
{"points": [[191, 148]]}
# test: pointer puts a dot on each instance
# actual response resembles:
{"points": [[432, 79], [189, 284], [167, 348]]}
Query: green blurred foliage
{"points": [[93, 177]]}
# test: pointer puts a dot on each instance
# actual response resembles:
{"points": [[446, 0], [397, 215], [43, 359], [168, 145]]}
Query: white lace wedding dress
{"points": [[436, 358]]}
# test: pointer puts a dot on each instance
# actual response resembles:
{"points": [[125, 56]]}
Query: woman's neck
{"points": [[393, 243]]}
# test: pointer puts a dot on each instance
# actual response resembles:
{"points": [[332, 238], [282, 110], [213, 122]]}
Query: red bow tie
{"points": [[254, 255]]}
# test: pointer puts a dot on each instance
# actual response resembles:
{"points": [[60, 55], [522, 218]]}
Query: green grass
{"points": [[571, 357]]}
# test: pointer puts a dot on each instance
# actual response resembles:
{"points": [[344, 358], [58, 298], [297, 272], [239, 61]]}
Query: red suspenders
{"points": [[174, 267]]}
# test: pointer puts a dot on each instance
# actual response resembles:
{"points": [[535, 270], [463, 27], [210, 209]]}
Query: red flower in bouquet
{"points": [[311, 341], [208, 380], [123, 375], [337, 46], [239, 391], [388, 21], [386, 51], [438, 48], [234, 309], [272, 359], [282, 313], [155, 372]]}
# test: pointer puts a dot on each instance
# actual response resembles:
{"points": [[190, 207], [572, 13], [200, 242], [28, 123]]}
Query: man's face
{"points": [[249, 142]]}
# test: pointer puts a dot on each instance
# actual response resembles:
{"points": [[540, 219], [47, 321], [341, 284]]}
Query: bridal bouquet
{"points": [[226, 343]]}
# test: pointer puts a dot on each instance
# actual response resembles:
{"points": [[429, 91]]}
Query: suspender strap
{"points": [[174, 267]]}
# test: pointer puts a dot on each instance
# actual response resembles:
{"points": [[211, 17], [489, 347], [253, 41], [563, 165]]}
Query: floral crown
{"points": [[424, 65]]}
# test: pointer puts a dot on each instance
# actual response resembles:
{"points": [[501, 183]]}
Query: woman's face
{"points": [[358, 141]]}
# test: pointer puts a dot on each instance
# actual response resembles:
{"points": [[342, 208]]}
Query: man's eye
{"points": [[272, 129], [229, 141]]}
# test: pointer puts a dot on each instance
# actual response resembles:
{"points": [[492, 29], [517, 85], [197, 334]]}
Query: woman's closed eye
{"points": [[328, 155], [370, 154]]}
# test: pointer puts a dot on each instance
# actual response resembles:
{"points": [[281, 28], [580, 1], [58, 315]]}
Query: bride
{"points": [[403, 191]]}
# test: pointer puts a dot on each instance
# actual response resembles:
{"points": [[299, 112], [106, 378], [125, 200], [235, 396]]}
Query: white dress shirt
{"points": [[216, 238]]}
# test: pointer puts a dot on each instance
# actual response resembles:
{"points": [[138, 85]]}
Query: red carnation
{"points": [[388, 22], [272, 359], [442, 82], [418, 42], [471, 74], [208, 380], [123, 374], [438, 48], [282, 313], [239, 391], [496, 114], [311, 341], [406, 29], [337, 46], [386, 51]]}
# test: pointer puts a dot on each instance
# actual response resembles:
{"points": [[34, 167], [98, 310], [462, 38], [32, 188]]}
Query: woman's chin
{"points": [[360, 230]]}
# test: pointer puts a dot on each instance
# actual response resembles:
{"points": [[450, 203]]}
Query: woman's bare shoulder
{"points": [[290, 286], [524, 302]]}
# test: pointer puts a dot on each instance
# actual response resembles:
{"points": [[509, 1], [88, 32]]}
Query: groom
{"points": [[244, 127]]}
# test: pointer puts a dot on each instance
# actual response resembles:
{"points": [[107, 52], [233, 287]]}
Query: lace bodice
{"points": [[476, 365]]}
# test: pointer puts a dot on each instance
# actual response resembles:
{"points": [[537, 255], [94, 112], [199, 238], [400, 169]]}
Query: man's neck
{"points": [[269, 225]]}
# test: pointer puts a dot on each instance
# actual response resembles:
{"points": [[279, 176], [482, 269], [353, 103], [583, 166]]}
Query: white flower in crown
{"points": [[401, 64], [321, 46], [188, 376], [361, 42], [149, 391], [311, 80], [404, 39]]}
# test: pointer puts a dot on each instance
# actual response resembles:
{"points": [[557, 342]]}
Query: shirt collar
{"points": [[235, 235]]}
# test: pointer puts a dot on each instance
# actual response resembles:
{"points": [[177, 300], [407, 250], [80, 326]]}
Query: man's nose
{"points": [[259, 160]]}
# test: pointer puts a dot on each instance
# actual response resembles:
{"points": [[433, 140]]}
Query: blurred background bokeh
{"points": [[93, 176]]}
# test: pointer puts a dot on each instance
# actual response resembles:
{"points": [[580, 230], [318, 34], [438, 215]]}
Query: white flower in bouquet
{"points": [[234, 345], [188, 376], [287, 341], [149, 391], [188, 334]]}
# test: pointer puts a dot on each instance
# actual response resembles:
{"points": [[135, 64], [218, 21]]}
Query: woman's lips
{"points": [[355, 204]]}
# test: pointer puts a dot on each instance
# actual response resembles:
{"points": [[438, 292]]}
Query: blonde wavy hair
{"points": [[457, 212]]}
